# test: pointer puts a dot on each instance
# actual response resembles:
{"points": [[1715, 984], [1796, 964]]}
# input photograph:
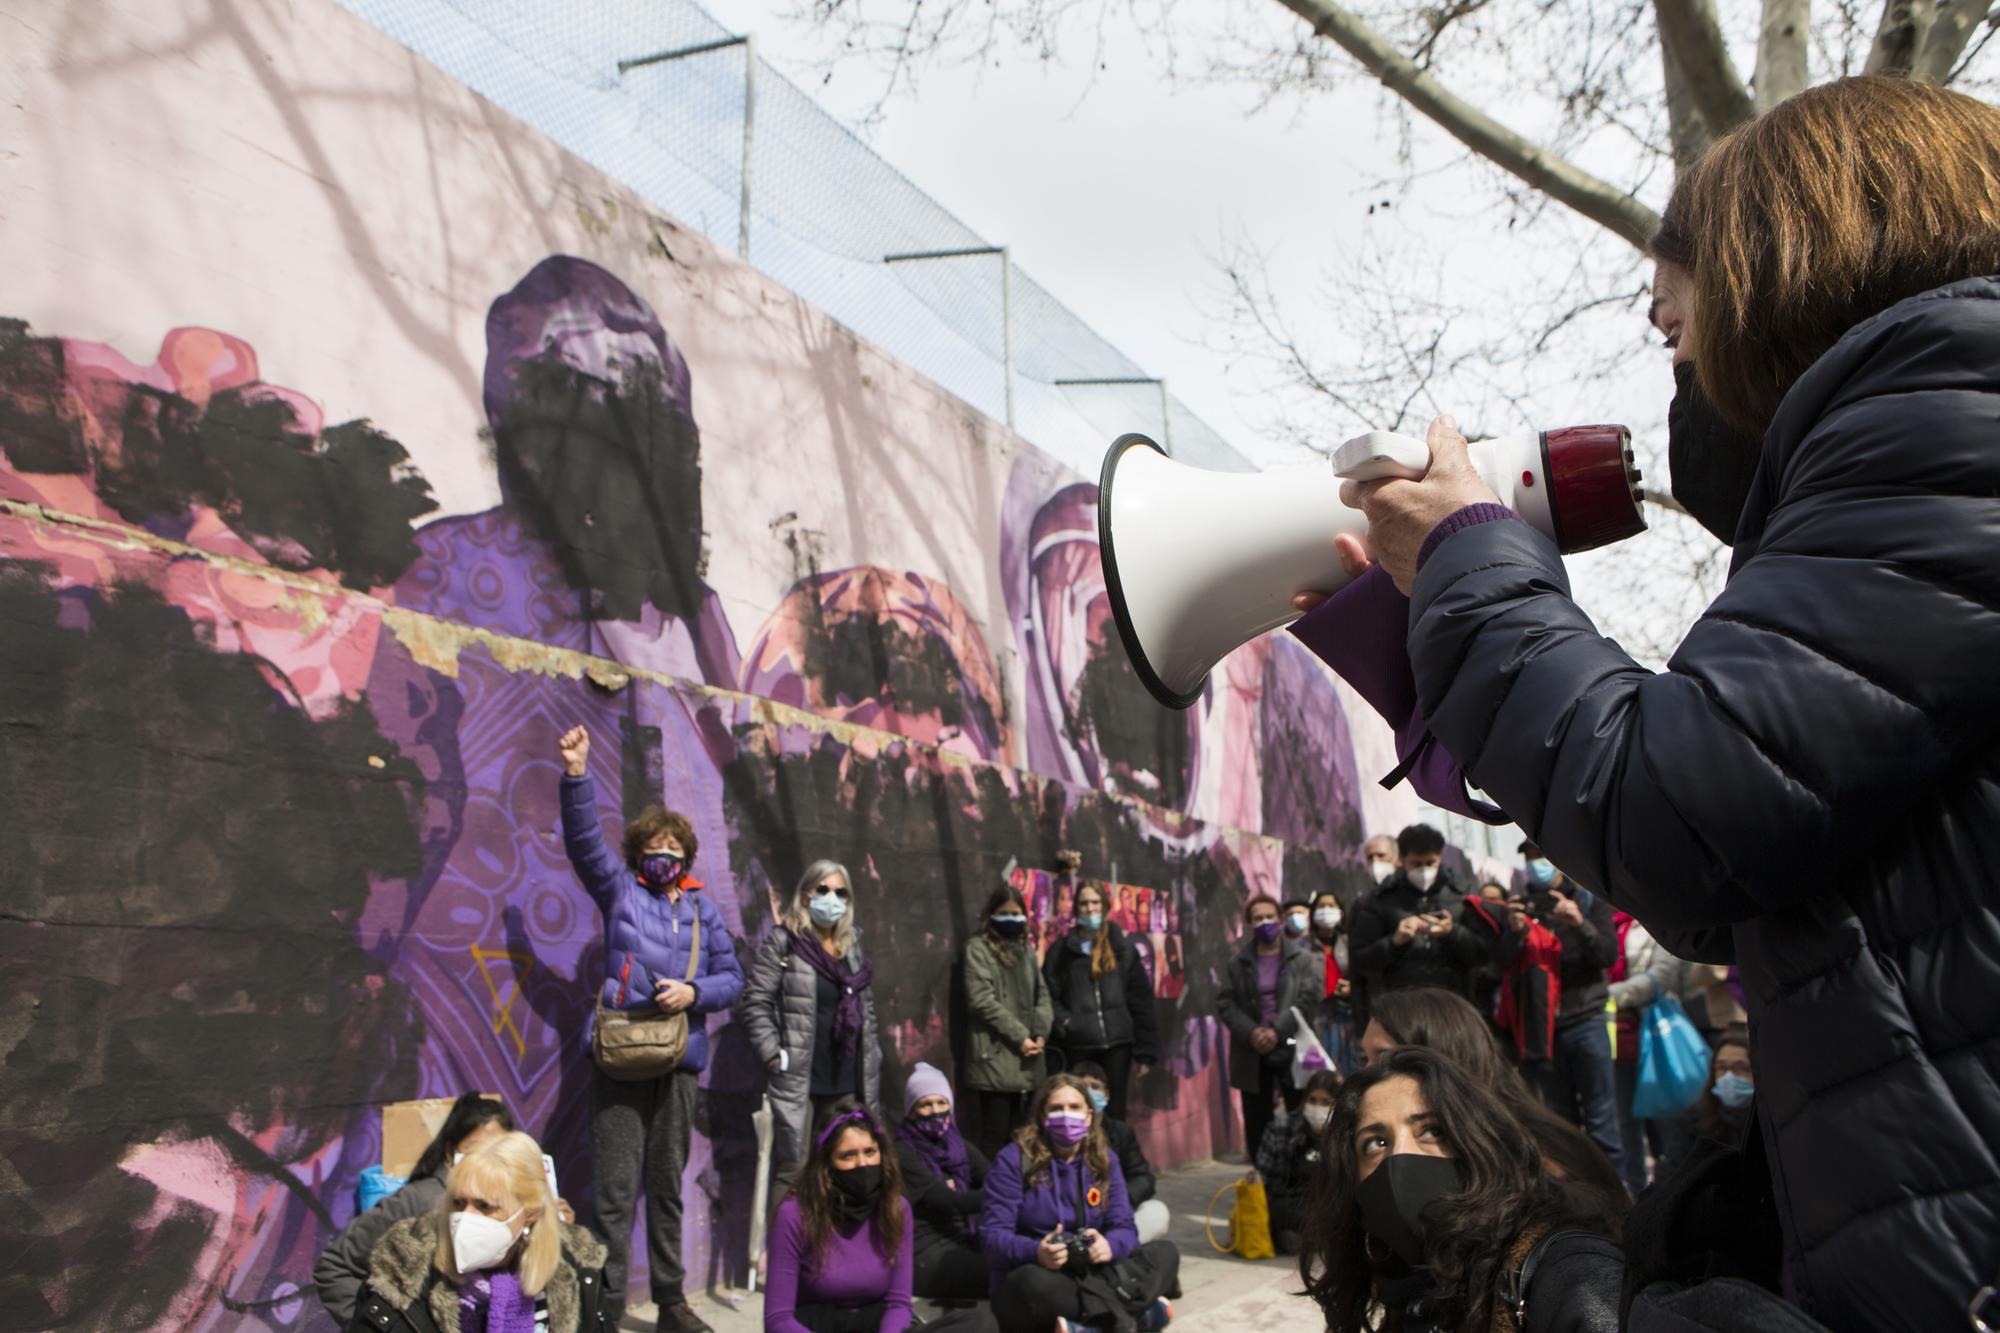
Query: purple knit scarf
{"points": [[848, 1019], [495, 1303]]}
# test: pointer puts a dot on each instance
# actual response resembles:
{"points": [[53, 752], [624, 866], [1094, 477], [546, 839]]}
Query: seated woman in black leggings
{"points": [[942, 1175]]}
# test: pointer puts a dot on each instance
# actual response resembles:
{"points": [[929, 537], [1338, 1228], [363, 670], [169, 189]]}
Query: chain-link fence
{"points": [[661, 96]]}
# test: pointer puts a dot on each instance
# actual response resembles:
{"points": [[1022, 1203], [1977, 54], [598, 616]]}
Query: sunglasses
{"points": [[823, 890]]}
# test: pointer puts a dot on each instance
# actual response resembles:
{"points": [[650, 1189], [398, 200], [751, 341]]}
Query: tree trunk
{"points": [[1691, 31], [1900, 36], [1781, 51], [1951, 30], [1685, 127]]}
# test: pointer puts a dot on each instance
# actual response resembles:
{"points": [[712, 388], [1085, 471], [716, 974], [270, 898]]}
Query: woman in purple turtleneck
{"points": [[840, 1244], [1057, 1227]]}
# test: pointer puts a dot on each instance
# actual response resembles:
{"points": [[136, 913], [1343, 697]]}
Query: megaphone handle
{"points": [[1380, 455]]}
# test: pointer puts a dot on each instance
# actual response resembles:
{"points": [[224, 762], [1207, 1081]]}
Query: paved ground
{"points": [[1220, 1293]]}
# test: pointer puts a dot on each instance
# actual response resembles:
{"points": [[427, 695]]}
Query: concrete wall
{"points": [[354, 441]]}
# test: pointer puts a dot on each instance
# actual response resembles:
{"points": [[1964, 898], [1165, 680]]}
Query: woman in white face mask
{"points": [[809, 1012], [494, 1257], [1334, 1018], [1289, 1154]]}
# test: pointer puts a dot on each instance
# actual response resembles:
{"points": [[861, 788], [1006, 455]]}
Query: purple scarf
{"points": [[943, 1152], [849, 1018], [495, 1303]]}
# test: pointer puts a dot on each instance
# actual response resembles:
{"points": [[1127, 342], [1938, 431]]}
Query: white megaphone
{"points": [[1199, 563]]}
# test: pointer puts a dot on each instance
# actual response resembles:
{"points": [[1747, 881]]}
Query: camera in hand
{"points": [[1076, 1248]]}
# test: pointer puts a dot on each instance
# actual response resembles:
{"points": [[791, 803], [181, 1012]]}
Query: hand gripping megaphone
{"points": [[1198, 563]]}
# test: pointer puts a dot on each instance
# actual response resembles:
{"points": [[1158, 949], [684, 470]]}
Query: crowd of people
{"points": [[1800, 816]]}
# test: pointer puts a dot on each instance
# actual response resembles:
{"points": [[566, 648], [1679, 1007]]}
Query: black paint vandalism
{"points": [[182, 860], [610, 475], [926, 843], [861, 657], [343, 500], [1146, 750], [38, 430]]}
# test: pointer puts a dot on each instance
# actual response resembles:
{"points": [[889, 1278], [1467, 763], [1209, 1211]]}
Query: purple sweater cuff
{"points": [[1458, 520]]}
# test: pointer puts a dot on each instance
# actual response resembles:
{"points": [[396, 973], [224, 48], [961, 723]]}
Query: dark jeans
{"points": [[948, 1271], [1033, 1298], [1000, 1114], [1580, 1085], [639, 1134], [1117, 1063], [1257, 1109]]}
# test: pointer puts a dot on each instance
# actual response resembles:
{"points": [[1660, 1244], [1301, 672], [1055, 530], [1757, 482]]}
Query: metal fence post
{"points": [[1007, 328], [749, 134]]}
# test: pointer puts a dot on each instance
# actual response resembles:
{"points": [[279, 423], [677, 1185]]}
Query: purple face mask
{"points": [[934, 1125], [1066, 1129], [659, 870], [1268, 931]]}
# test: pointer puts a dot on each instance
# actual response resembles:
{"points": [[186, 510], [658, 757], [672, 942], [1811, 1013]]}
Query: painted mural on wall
{"points": [[280, 688]]}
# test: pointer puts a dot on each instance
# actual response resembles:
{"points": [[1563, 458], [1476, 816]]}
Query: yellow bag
{"points": [[1249, 1220]]}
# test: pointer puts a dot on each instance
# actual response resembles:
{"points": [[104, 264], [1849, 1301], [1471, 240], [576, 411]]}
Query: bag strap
{"points": [[694, 948]]}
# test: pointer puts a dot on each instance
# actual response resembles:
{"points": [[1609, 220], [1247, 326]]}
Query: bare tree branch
{"points": [[1900, 36], [1662, 499], [1938, 59], [1781, 51], [1690, 29], [1596, 199], [1685, 127]]}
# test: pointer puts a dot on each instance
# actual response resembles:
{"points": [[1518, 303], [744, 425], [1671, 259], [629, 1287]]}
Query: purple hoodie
{"points": [[1014, 1220]]}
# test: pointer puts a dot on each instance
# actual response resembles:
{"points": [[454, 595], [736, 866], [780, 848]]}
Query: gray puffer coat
{"points": [[776, 1012]]}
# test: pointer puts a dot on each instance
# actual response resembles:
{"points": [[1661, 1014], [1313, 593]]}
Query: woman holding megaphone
{"points": [[1811, 790]]}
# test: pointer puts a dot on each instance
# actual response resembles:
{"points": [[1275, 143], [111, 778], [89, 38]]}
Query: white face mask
{"points": [[1326, 918], [1317, 1116], [1423, 877], [1381, 870], [479, 1242]]}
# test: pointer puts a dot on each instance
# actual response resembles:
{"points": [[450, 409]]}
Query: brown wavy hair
{"points": [[1034, 1143], [1438, 1020], [1830, 207], [1507, 1194], [654, 821], [814, 1190]]}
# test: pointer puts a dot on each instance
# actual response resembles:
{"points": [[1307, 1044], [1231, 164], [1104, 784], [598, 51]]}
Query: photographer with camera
{"points": [[1408, 932], [1057, 1227], [1579, 1079]]}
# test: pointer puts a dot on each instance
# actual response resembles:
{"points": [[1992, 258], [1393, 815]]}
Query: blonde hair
{"points": [[510, 1166], [798, 915]]}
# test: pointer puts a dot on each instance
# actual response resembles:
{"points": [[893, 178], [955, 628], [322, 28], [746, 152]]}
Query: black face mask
{"points": [[1394, 1197], [1712, 462], [856, 1191]]}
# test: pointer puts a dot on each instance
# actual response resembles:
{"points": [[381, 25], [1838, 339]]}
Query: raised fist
{"points": [[575, 747]]}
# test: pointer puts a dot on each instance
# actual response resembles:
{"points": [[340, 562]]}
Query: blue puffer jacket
{"points": [[1811, 790], [645, 931], [1014, 1219]]}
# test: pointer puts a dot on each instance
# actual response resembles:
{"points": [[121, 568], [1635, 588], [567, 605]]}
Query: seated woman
{"points": [[1149, 1216], [1722, 1112], [343, 1266], [1289, 1155], [493, 1257], [1435, 1204], [1057, 1227], [942, 1175], [1448, 1024]]}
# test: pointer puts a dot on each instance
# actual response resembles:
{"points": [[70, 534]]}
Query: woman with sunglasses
{"points": [[809, 1012]]}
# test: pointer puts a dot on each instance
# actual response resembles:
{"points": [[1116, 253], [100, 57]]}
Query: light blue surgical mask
{"points": [[1734, 1091], [1098, 1101], [1090, 921], [1542, 871], [826, 910]]}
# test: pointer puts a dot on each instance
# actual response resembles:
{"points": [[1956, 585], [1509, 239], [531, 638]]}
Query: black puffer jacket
{"points": [[1096, 1013], [1811, 789]]}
